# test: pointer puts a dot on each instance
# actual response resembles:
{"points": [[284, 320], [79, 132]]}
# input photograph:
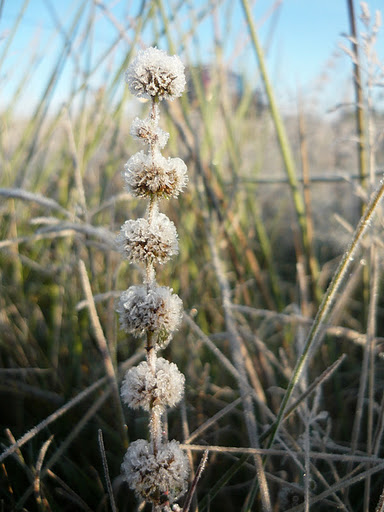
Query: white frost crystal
{"points": [[153, 476], [159, 176], [141, 388], [147, 132], [153, 73], [156, 310], [141, 241]]}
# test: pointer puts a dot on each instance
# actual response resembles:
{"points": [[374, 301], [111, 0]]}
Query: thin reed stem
{"points": [[281, 135], [192, 489], [106, 471], [359, 99]]}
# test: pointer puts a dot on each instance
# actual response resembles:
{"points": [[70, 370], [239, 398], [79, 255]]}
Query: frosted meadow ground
{"points": [[261, 231]]}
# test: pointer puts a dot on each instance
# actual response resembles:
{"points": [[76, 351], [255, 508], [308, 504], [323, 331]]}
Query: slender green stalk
{"points": [[283, 140], [359, 98], [314, 335], [360, 129]]}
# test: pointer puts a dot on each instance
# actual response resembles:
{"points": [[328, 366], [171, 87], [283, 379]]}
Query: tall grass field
{"points": [[280, 262]]}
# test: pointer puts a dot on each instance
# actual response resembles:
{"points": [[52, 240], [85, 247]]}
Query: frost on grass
{"points": [[141, 388], [153, 476], [156, 310], [147, 175], [153, 73], [142, 241]]}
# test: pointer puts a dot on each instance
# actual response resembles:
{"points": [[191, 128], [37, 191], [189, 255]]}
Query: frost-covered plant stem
{"points": [[158, 470], [155, 417]]}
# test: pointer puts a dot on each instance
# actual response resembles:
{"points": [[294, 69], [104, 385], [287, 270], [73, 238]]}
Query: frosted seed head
{"points": [[153, 73], [141, 241], [145, 131], [157, 310], [161, 177], [169, 383], [141, 388], [177, 175], [138, 385], [156, 476]]}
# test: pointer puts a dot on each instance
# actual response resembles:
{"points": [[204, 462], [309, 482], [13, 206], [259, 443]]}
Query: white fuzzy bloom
{"points": [[147, 132], [141, 241], [154, 477], [153, 73], [141, 388], [159, 176], [156, 310]]}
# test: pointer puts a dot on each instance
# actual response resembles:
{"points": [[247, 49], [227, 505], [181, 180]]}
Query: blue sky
{"points": [[302, 38]]}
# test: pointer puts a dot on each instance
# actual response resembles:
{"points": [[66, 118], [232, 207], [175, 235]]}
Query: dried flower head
{"points": [[159, 176], [141, 388], [156, 310], [155, 477], [141, 241], [145, 131], [153, 73]]}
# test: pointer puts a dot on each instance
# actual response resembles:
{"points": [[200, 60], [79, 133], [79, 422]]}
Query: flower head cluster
{"points": [[153, 73], [142, 388], [155, 310], [142, 241], [153, 476], [145, 131], [153, 175]]}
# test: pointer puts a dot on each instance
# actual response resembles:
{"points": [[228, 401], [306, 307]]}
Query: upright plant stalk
{"points": [[284, 144], [156, 470], [314, 335], [359, 99]]}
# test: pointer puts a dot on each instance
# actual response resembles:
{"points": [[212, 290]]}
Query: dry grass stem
{"points": [[106, 471]]}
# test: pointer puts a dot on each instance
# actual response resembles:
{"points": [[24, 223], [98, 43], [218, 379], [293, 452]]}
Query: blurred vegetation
{"points": [[277, 196]]}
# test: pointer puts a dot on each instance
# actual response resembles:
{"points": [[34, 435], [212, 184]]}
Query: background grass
{"points": [[270, 208]]}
